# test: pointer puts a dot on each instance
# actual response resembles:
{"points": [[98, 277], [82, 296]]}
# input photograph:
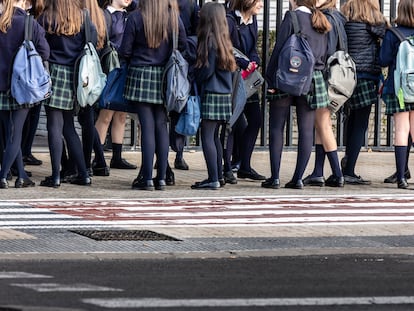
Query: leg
{"points": [[117, 134], [29, 132], [402, 130], [177, 142]]}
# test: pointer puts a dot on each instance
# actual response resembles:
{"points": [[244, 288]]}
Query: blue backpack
{"points": [[296, 63], [30, 80]]}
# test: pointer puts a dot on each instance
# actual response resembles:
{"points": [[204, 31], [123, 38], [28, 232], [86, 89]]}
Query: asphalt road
{"points": [[349, 282]]}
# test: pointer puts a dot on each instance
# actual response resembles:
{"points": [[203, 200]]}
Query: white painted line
{"points": [[22, 275], [55, 287], [247, 302]]}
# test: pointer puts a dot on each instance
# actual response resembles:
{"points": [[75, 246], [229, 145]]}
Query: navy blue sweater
{"points": [[189, 10], [135, 49], [12, 40]]}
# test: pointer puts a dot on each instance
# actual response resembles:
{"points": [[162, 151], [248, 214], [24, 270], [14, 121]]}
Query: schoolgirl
{"points": [[244, 33], [214, 66], [365, 28], [403, 112], [115, 16], [315, 27], [13, 115], [63, 22], [147, 46], [325, 142]]}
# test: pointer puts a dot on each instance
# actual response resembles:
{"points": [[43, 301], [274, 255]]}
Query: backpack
{"points": [[189, 119], [341, 69], [109, 55], [404, 69], [89, 79], [175, 85], [295, 63], [30, 80]]}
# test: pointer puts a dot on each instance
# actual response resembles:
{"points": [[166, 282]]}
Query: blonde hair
{"points": [[160, 18], [64, 17], [7, 15], [98, 19]]}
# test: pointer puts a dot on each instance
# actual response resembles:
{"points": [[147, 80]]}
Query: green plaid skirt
{"points": [[9, 103], [63, 96], [365, 94], [318, 96], [393, 106], [143, 84], [216, 106]]}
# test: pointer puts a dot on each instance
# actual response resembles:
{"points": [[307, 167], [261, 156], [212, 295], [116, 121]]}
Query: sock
{"points": [[334, 162], [400, 160], [319, 161], [116, 152]]}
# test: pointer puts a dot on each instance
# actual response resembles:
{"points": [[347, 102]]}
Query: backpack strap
{"points": [[28, 27], [87, 22], [108, 23], [397, 33], [295, 22], [339, 30]]}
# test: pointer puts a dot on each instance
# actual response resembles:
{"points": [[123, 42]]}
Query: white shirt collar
{"points": [[111, 9], [250, 21], [303, 9]]}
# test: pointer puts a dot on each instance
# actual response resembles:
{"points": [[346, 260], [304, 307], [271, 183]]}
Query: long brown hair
{"points": [[319, 21], [213, 31], [365, 11], [160, 19], [98, 19], [405, 13], [64, 17], [328, 4]]}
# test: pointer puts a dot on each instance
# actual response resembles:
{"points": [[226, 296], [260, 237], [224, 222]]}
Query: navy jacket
{"points": [[244, 38], [134, 47], [12, 40], [317, 41], [116, 22], [388, 54], [189, 10], [64, 50], [333, 41]]}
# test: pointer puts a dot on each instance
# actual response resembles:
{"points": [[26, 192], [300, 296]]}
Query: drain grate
{"points": [[124, 235]]}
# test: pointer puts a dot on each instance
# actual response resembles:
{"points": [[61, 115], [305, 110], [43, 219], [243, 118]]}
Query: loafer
{"points": [[335, 181], [206, 184], [101, 171], [180, 164], [31, 160], [229, 178], [314, 181], [252, 174], [23, 183], [50, 182], [294, 184], [392, 179], [169, 177], [141, 184], [4, 183], [402, 184], [81, 181], [356, 180], [122, 164], [159, 184], [271, 183]]}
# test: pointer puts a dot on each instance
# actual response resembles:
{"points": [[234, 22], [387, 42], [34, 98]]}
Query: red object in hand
{"points": [[247, 72]]}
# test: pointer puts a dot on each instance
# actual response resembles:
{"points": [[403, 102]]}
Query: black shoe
{"points": [[9, 176], [229, 178], [335, 181], [170, 177], [101, 171], [206, 184], [252, 174], [81, 181], [23, 183], [122, 164], [89, 171], [159, 184], [180, 164], [356, 180], [50, 182], [3, 183], [294, 184], [14, 172], [271, 183], [402, 184], [140, 184], [314, 181], [222, 182], [392, 179], [31, 160]]}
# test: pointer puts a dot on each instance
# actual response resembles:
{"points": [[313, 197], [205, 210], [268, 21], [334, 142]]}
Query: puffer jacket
{"points": [[364, 45]]}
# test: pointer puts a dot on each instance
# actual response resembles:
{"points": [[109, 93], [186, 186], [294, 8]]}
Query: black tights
{"points": [[278, 113], [212, 148]]}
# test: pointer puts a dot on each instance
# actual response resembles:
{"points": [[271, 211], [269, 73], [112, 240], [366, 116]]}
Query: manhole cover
{"points": [[124, 235]]}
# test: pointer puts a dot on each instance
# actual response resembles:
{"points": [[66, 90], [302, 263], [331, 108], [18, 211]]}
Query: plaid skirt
{"points": [[393, 106], [318, 96], [9, 103], [143, 84], [365, 94], [63, 96], [216, 106]]}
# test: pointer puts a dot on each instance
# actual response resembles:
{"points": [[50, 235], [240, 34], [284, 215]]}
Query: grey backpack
{"points": [[341, 70]]}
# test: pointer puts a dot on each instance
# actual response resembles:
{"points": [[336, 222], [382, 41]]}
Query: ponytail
{"points": [[319, 21]]}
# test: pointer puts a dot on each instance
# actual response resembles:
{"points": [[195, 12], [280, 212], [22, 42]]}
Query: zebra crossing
{"points": [[219, 211]]}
